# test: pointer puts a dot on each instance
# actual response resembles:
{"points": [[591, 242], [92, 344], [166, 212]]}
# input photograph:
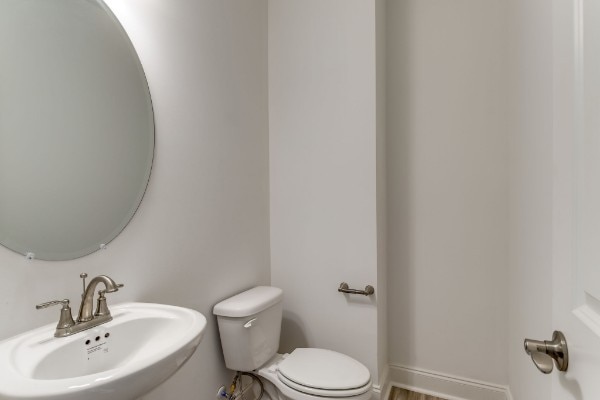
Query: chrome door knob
{"points": [[545, 354]]}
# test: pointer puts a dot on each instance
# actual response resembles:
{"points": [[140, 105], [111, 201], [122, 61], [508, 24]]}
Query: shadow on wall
{"points": [[361, 301], [400, 165], [571, 386], [292, 333]]}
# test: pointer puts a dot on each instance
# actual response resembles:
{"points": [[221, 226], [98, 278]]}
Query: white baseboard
{"points": [[384, 383], [442, 385], [376, 393]]}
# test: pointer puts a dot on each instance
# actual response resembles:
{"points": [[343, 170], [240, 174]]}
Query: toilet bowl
{"points": [[312, 374], [250, 326]]}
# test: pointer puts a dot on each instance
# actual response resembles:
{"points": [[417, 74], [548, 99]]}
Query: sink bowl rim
{"points": [[13, 382]]}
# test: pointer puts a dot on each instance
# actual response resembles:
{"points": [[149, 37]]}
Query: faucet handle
{"points": [[101, 307], [65, 303], [66, 318]]}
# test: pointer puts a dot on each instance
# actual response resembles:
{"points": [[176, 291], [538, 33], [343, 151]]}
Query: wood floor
{"points": [[402, 394]]}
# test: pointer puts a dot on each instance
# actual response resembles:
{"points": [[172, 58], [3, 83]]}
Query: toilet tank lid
{"points": [[249, 302]]}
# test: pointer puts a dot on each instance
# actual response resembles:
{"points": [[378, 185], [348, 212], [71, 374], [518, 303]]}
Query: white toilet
{"points": [[250, 325]]}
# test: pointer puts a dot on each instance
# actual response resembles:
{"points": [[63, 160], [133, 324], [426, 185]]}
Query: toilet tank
{"points": [[249, 326]]}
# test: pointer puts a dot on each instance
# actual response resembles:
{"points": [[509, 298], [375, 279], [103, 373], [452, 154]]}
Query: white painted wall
{"points": [[202, 231], [322, 121], [531, 164], [447, 185]]}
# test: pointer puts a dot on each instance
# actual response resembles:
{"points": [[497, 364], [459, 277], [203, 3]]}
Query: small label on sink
{"points": [[97, 348]]}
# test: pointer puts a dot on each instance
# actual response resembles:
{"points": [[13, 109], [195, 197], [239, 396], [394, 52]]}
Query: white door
{"points": [[576, 197]]}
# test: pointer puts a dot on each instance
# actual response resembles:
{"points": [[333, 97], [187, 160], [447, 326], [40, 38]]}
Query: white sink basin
{"points": [[125, 358]]}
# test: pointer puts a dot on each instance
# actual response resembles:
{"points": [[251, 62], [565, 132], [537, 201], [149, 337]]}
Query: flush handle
{"points": [[545, 354], [249, 323]]}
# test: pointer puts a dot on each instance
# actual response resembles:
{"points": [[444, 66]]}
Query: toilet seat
{"points": [[324, 373]]}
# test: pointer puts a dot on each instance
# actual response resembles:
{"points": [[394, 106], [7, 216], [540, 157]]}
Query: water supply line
{"points": [[237, 390]]}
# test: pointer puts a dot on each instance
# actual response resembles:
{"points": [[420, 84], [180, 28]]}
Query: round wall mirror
{"points": [[76, 127]]}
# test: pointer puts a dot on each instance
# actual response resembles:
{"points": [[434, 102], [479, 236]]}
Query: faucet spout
{"points": [[87, 302]]}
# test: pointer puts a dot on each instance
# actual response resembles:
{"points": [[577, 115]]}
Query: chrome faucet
{"points": [[86, 318]]}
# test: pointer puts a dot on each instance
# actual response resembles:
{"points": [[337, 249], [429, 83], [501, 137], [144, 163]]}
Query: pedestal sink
{"points": [[122, 359]]}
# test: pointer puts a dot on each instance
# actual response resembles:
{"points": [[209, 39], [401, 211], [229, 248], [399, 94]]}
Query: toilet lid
{"points": [[324, 370]]}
